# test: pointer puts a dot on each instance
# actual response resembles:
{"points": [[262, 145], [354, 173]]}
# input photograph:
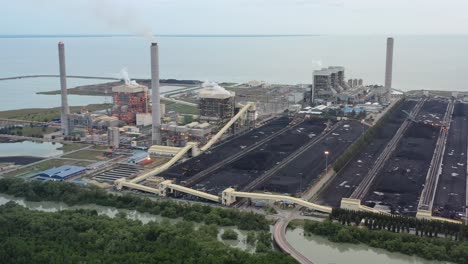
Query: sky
{"points": [[146, 17]]}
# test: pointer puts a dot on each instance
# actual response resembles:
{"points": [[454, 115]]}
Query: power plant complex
{"points": [[277, 139]]}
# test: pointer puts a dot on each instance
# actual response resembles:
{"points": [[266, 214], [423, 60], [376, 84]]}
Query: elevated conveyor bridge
{"points": [[229, 196], [194, 146]]}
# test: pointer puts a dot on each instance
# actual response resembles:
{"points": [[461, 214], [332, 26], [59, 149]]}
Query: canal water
{"points": [[322, 251], [30, 148], [46, 206]]}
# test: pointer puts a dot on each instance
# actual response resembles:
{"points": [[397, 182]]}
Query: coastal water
{"points": [[22, 93], [30, 148], [420, 62], [322, 251]]}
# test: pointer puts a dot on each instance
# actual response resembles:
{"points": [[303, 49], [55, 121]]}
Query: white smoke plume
{"points": [[317, 64], [214, 86], [120, 18], [126, 78]]}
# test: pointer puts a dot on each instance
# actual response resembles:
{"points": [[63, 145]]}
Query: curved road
{"points": [[279, 235]]}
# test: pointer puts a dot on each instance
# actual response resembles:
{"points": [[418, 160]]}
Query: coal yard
{"points": [[297, 173], [399, 184], [346, 180], [191, 167], [242, 171], [450, 199]]}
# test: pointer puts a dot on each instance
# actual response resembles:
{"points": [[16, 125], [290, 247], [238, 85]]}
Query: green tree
{"points": [[229, 234]]}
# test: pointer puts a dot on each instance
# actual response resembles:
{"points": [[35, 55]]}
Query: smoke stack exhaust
{"points": [[389, 68], [63, 87], [156, 107]]}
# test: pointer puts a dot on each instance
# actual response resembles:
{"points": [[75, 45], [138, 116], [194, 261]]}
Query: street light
{"points": [[326, 159]]}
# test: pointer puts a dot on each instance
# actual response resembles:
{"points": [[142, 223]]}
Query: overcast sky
{"points": [[234, 17]]}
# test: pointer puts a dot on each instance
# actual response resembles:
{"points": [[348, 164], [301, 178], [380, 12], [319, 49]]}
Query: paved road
{"points": [[279, 234]]}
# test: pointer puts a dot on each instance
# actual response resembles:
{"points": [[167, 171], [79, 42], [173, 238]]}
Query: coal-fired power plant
{"points": [[388, 68], [155, 97], [65, 111]]}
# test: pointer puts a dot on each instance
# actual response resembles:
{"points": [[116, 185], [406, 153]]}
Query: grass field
{"points": [[100, 147], [47, 114], [45, 165], [70, 147], [87, 154]]}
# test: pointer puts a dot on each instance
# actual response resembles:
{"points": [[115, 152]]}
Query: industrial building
{"points": [[59, 174], [113, 136], [178, 136], [337, 77], [216, 104], [329, 81], [129, 99], [91, 121]]}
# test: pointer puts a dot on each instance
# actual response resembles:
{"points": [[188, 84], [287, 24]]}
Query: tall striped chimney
{"points": [[389, 68], [63, 87], [156, 107]]}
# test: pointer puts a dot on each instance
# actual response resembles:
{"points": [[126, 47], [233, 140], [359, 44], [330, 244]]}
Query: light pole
{"points": [[326, 159]]}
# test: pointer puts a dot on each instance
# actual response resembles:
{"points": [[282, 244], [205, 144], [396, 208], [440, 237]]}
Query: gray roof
{"points": [[61, 172]]}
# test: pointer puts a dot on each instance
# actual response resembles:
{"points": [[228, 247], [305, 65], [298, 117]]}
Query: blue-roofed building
{"points": [[59, 174], [348, 110]]}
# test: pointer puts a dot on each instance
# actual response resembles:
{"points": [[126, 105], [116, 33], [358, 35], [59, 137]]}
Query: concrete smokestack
{"points": [[312, 92], [63, 86], [156, 107], [389, 68]]}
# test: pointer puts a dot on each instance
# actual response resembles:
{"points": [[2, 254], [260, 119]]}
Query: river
{"points": [[322, 251], [46, 206], [316, 248]]}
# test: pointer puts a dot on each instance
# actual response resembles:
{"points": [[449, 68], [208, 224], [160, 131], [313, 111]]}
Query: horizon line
{"points": [[155, 35]]}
